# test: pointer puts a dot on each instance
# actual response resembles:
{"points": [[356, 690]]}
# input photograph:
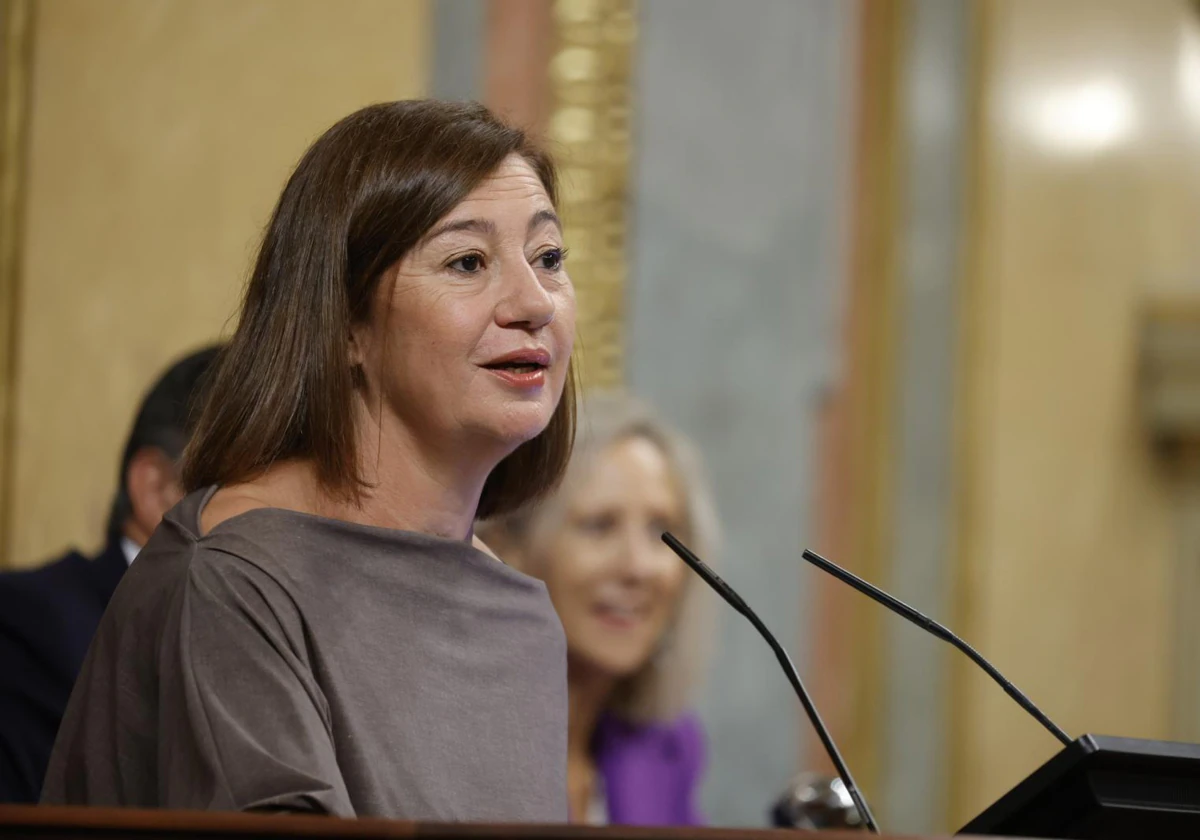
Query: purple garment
{"points": [[651, 772]]}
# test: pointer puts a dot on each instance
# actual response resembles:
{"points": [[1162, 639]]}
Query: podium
{"points": [[1096, 788], [1103, 788], [27, 821]]}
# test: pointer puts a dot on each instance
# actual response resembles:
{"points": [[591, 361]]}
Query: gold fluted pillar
{"points": [[589, 129], [16, 28]]}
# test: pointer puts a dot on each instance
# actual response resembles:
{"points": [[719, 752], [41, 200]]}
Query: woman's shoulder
{"points": [[181, 580], [246, 531], [687, 724], [284, 486], [681, 737], [179, 556], [224, 505], [687, 731]]}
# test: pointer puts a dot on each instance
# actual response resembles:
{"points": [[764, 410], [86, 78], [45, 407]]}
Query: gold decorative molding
{"points": [[16, 35], [590, 129]]}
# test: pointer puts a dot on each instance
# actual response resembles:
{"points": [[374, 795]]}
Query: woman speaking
{"points": [[314, 627]]}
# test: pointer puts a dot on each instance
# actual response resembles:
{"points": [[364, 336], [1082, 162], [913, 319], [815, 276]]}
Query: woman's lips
{"points": [[619, 616], [524, 369], [522, 377]]}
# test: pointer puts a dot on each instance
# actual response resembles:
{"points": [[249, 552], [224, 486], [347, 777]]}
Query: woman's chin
{"points": [[521, 426], [613, 664]]}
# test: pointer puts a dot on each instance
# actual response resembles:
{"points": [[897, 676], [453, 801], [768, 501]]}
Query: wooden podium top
{"points": [[69, 823]]}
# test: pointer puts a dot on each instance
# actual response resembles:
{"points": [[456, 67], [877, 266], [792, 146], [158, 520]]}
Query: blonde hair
{"points": [[661, 689]]}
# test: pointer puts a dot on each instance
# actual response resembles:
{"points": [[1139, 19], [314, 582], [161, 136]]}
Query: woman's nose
{"points": [[526, 303], [644, 559]]}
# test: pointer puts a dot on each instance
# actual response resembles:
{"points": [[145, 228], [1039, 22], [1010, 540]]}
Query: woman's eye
{"points": [[597, 525], [469, 264], [551, 260]]}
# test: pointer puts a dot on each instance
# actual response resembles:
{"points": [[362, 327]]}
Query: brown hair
{"points": [[362, 196]]}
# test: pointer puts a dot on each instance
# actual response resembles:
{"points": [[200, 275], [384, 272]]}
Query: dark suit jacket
{"points": [[47, 619]]}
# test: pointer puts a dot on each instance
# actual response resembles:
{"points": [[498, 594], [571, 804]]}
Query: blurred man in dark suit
{"points": [[48, 615]]}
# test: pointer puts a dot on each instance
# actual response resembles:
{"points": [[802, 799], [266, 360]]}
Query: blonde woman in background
{"points": [[629, 608]]}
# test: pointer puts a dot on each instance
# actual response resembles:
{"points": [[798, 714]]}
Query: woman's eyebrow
{"points": [[541, 217], [483, 226], [487, 227]]}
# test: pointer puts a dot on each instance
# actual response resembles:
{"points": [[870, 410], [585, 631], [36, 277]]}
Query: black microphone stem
{"points": [[726, 591], [921, 620]]}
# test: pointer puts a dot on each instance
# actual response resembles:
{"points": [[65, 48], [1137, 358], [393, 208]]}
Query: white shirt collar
{"points": [[130, 549]]}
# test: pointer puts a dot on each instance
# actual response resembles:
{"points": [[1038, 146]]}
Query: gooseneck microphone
{"points": [[929, 625], [726, 591]]}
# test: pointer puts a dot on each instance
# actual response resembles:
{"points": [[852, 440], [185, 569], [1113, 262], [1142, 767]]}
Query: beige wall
{"points": [[161, 135], [1088, 198]]}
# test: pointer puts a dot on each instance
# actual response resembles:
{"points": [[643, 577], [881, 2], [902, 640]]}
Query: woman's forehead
{"points": [[512, 196], [513, 180], [629, 467]]}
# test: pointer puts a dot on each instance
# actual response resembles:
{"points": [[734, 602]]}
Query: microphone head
{"points": [[815, 802]]}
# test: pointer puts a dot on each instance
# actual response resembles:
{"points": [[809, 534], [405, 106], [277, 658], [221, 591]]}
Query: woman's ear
{"points": [[356, 354], [354, 347], [366, 327]]}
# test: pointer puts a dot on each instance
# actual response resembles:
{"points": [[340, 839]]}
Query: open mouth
{"points": [[525, 369], [619, 614], [517, 367]]}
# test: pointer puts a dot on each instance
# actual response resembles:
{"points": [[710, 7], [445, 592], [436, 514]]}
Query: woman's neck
{"points": [[409, 487], [415, 486], [588, 693]]}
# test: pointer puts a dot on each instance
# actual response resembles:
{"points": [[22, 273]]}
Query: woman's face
{"points": [[614, 583], [471, 332]]}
